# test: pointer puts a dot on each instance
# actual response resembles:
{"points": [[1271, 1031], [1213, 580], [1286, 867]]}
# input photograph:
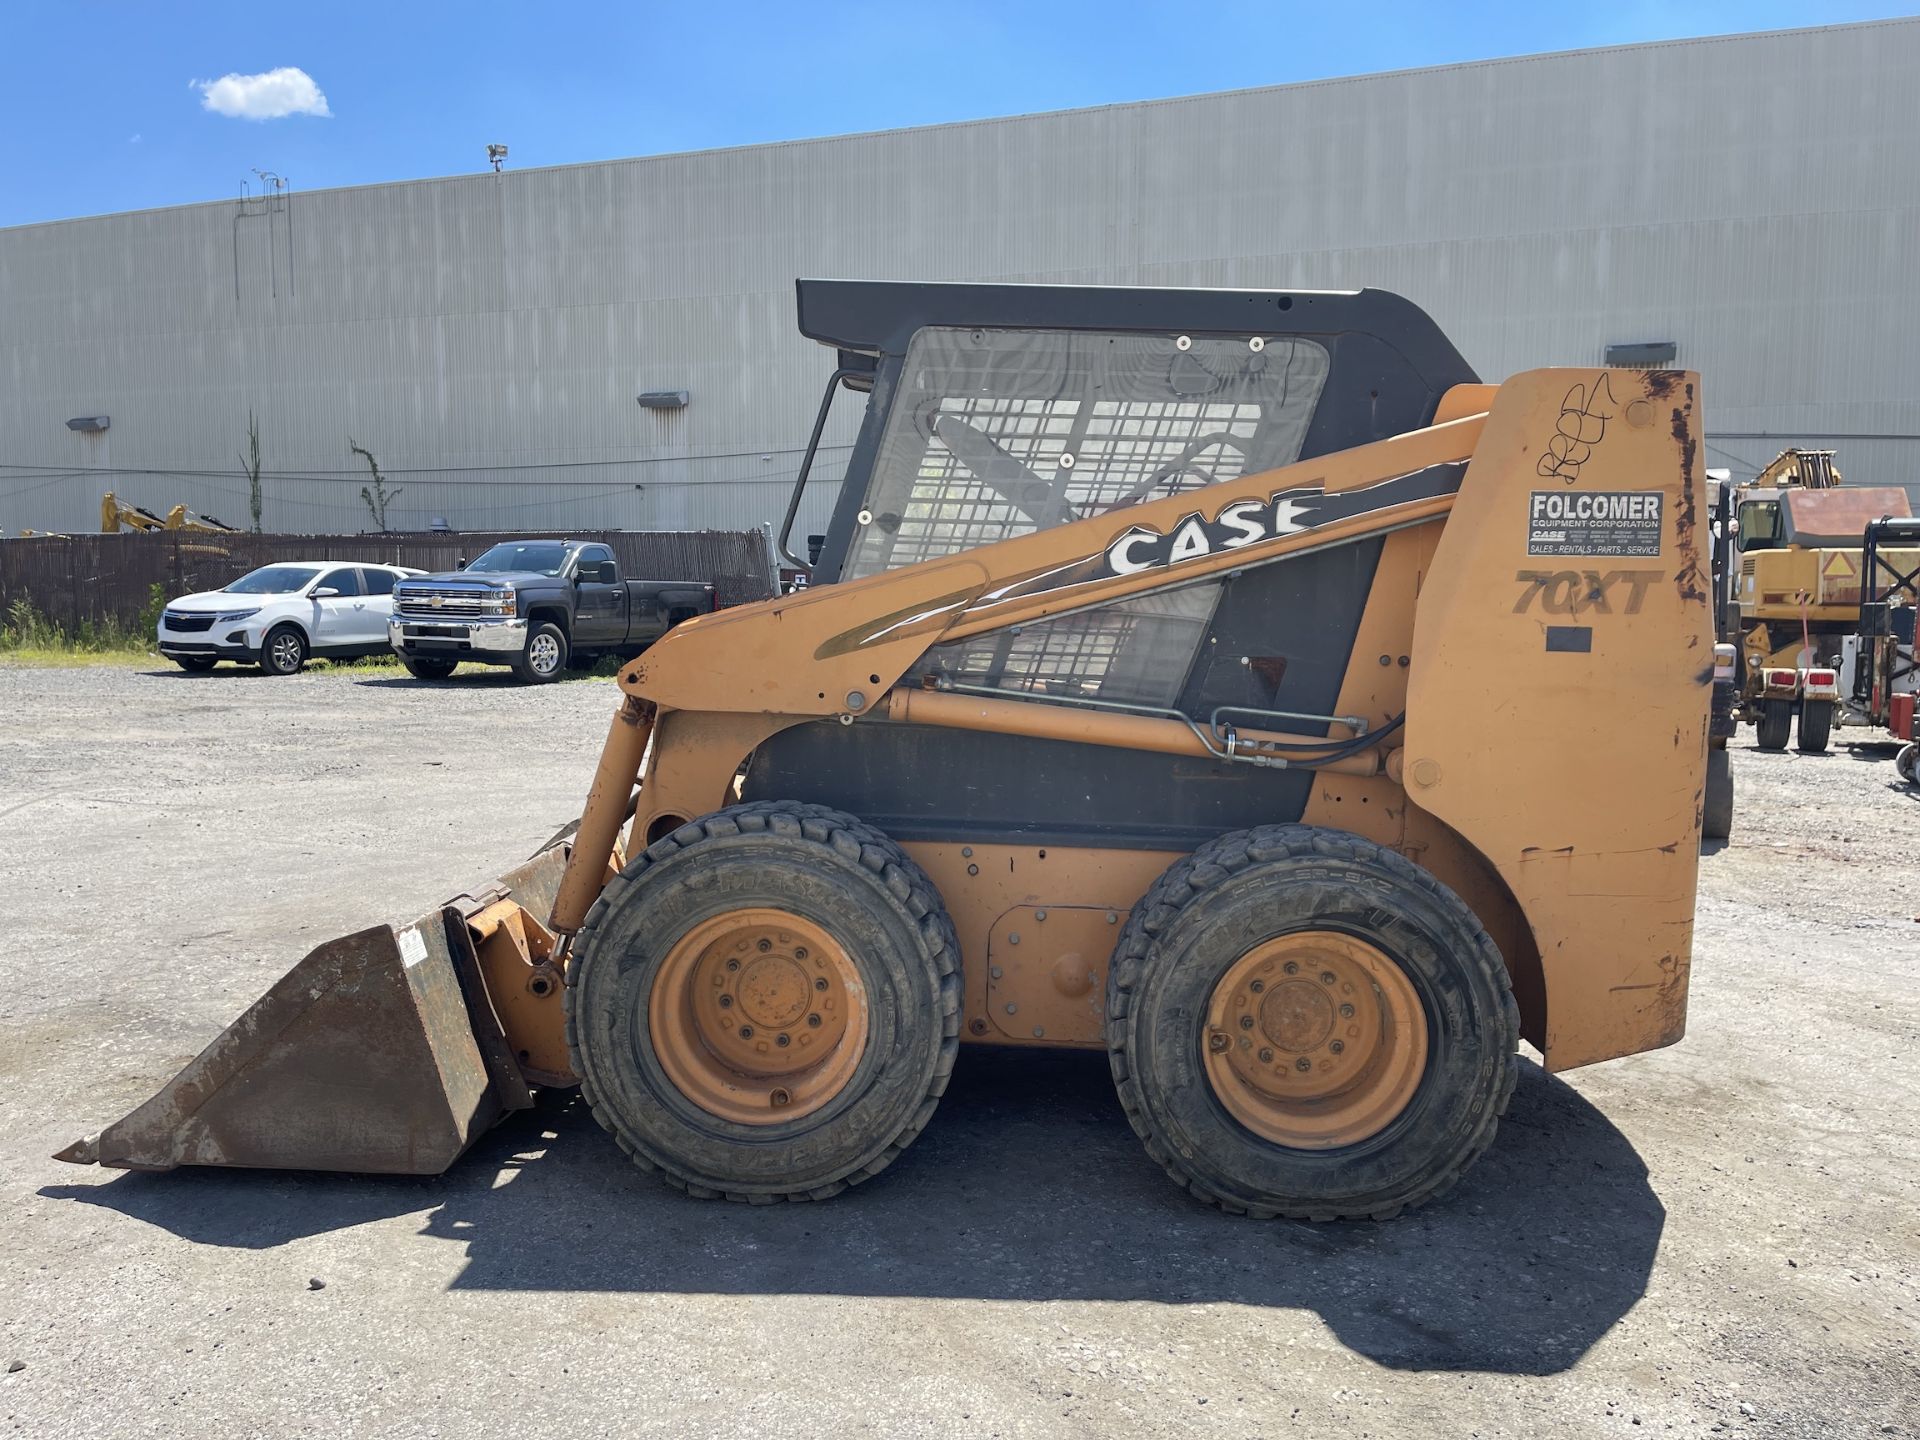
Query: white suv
{"points": [[279, 615]]}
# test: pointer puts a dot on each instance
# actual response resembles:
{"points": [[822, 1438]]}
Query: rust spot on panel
{"points": [[1688, 579]]}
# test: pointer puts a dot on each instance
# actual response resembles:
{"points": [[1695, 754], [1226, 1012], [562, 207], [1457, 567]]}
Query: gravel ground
{"points": [[1719, 1237]]}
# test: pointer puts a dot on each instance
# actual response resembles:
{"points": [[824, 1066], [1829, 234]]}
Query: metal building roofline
{"points": [[510, 176]]}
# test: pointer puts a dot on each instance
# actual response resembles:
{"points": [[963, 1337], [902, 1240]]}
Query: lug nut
{"points": [[1326, 977], [1303, 1063], [777, 1098], [763, 945], [1257, 986], [821, 983], [782, 1040], [746, 1032], [726, 1002], [1346, 1012], [1246, 1022], [1338, 1047], [1291, 967], [733, 964], [1266, 1057], [1216, 1042], [799, 952], [814, 1021]]}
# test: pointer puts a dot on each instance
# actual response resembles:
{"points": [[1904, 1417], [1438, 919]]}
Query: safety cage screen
{"points": [[996, 433]]}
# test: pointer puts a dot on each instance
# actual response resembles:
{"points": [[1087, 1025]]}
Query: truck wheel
{"points": [[1716, 809], [1776, 719], [765, 1004], [1907, 763], [1304, 1024], [284, 651], [428, 667], [545, 656], [1816, 726]]}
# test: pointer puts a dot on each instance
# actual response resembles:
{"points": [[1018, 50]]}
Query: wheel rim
{"points": [[758, 1016], [1315, 1040], [285, 652], [544, 654]]}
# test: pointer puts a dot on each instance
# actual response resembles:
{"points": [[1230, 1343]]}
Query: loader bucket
{"points": [[379, 1053]]}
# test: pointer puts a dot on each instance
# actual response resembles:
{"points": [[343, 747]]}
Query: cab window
{"points": [[1760, 525], [592, 557], [347, 582], [379, 582], [997, 433]]}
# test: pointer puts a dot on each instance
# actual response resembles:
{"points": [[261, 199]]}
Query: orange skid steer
{"points": [[1226, 680]]}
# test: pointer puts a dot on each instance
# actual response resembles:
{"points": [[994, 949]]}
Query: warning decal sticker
{"points": [[1599, 522]]}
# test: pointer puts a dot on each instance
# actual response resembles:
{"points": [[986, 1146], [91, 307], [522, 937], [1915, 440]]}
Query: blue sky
{"points": [[100, 111]]}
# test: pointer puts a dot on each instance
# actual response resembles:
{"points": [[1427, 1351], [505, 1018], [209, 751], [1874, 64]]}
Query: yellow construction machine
{"points": [[1793, 590], [116, 515], [1223, 680]]}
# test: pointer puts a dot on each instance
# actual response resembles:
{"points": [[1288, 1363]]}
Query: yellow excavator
{"points": [[1226, 681]]}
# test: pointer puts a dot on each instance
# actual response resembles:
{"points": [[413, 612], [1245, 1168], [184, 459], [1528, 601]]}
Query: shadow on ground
{"points": [[474, 678], [1028, 1185]]}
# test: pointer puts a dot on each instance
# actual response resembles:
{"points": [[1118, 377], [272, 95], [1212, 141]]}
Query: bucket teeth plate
{"points": [[378, 1053]]}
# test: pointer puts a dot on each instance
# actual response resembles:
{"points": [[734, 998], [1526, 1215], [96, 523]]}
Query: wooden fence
{"points": [[90, 579]]}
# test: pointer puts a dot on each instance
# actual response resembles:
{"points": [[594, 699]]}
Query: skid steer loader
{"points": [[1223, 679]]}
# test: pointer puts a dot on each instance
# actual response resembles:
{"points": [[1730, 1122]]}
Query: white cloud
{"points": [[267, 96]]}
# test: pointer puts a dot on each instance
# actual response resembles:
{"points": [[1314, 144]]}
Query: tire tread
{"points": [[854, 840], [1195, 875]]}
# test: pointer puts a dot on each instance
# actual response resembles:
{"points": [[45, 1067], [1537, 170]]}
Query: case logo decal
{"points": [[1287, 512]]}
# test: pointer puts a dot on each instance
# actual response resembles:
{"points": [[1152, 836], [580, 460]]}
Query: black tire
{"points": [[1716, 809], [832, 870], [196, 664], [428, 667], [283, 651], [1776, 720], [1906, 764], [1816, 726], [1241, 890], [545, 658]]}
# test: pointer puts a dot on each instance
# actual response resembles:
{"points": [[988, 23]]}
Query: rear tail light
{"points": [[1822, 677], [1781, 679]]}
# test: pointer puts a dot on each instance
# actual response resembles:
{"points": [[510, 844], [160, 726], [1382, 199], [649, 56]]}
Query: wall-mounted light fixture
{"points": [[664, 399], [1642, 355], [89, 424]]}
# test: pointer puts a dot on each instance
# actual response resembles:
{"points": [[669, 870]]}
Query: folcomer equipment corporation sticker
{"points": [[1597, 522]]}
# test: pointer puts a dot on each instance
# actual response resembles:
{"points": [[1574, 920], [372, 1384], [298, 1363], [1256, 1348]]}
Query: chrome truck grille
{"points": [[438, 602]]}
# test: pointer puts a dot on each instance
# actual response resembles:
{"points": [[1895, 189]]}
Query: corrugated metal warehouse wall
{"points": [[1755, 199]]}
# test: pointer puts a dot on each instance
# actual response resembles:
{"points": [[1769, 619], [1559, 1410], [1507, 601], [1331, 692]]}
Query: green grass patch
{"points": [[25, 632], [29, 658]]}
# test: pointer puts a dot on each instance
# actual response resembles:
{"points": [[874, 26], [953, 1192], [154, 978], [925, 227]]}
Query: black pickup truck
{"points": [[536, 606]]}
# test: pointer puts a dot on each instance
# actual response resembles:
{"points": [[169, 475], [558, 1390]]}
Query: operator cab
{"points": [[994, 411]]}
